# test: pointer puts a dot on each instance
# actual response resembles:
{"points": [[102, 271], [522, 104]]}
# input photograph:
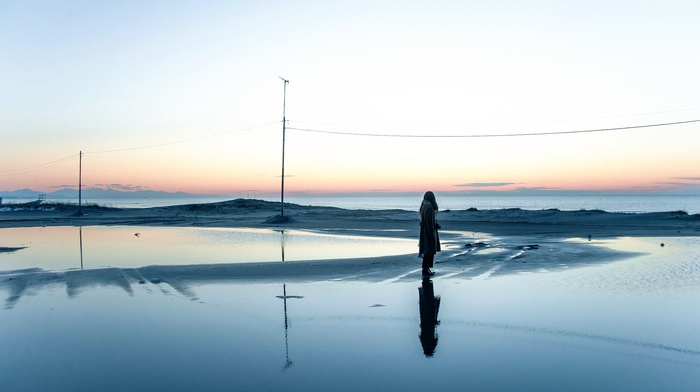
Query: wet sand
{"points": [[474, 242]]}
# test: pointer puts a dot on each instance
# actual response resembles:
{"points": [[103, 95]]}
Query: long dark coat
{"points": [[429, 240]]}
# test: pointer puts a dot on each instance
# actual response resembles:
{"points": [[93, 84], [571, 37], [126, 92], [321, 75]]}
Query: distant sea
{"points": [[610, 203]]}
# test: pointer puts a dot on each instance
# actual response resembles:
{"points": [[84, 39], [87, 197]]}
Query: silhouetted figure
{"points": [[429, 240], [429, 306]]}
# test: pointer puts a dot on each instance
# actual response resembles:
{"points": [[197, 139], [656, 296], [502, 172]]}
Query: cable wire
{"points": [[181, 141], [494, 135], [10, 172], [40, 165], [536, 121]]}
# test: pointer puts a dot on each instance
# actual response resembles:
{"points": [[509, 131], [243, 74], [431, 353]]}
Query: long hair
{"points": [[430, 196]]}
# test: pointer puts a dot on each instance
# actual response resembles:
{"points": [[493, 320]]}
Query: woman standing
{"points": [[429, 241]]}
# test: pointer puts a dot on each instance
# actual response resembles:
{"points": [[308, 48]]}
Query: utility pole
{"points": [[80, 185], [284, 128]]}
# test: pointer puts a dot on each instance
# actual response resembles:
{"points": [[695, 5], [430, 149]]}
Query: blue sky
{"points": [[102, 76]]}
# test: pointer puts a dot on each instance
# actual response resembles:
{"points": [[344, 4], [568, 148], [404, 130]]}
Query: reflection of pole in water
{"points": [[81, 248], [284, 297], [286, 323], [282, 243]]}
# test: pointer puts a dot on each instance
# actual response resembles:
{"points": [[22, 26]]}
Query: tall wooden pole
{"points": [[284, 128]]}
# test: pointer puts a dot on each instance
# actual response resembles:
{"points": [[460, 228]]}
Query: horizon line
{"points": [[687, 190]]}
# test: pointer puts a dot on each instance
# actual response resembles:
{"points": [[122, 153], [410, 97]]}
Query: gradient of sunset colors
{"points": [[186, 96]]}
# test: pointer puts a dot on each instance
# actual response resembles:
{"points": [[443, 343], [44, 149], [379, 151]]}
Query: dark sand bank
{"points": [[259, 214]]}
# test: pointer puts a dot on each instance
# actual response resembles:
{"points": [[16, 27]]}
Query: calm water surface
{"points": [[630, 325], [63, 247]]}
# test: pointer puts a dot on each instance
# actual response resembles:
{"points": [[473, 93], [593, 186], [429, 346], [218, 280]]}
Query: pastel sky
{"points": [[186, 95]]}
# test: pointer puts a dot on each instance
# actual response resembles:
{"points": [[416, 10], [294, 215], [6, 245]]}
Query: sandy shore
{"points": [[258, 214], [475, 242]]}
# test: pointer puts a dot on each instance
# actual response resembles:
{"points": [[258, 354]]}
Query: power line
{"points": [[182, 141], [9, 172], [628, 115], [534, 121], [494, 135], [29, 168]]}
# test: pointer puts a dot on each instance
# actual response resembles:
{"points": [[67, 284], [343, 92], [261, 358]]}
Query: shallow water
{"points": [[627, 325], [64, 247]]}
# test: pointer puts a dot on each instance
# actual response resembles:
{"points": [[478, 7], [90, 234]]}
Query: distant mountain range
{"points": [[98, 193]]}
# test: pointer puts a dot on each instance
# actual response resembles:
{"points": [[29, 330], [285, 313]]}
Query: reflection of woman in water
{"points": [[429, 241], [429, 306]]}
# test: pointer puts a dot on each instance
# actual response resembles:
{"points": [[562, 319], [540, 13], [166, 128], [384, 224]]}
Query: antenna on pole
{"points": [[284, 128]]}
